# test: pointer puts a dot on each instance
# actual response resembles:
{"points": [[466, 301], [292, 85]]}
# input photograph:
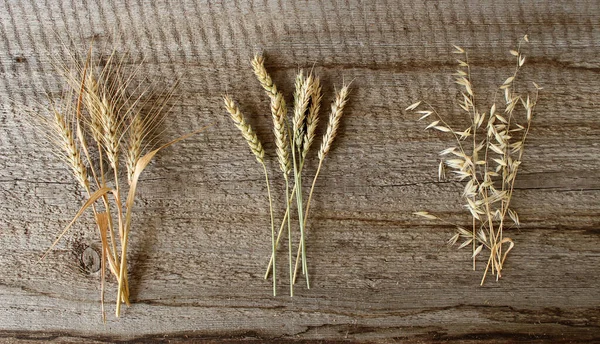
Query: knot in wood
{"points": [[90, 260]]}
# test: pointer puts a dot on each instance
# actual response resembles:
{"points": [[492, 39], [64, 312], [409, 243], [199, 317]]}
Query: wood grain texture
{"points": [[200, 244]]}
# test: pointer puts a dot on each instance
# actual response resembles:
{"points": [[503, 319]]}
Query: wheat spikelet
{"points": [[279, 114], [313, 116], [334, 121], [278, 111], [301, 100], [258, 64], [247, 132]]}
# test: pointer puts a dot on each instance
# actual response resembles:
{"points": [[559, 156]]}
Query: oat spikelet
{"points": [[334, 121], [313, 116], [71, 152], [247, 132]]}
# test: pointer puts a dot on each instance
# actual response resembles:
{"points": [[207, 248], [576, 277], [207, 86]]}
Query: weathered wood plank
{"points": [[200, 244]]}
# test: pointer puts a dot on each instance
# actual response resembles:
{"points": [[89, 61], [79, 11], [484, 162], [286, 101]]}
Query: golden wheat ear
{"points": [[303, 91], [282, 143], [247, 133], [278, 112], [312, 119], [134, 144], [337, 110], [258, 151], [258, 65]]}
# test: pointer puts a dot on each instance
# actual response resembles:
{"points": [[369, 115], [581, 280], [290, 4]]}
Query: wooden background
{"points": [[201, 239]]}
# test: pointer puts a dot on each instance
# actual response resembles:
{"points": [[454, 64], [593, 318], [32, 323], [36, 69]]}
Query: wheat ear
{"points": [[301, 99], [258, 65], [110, 131], [280, 128], [278, 112], [334, 121], [312, 119], [107, 100], [90, 99], [88, 96], [258, 151], [247, 132], [337, 110], [106, 130], [91, 103]]}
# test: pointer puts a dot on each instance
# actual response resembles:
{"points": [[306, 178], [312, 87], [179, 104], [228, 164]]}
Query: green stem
{"points": [[289, 221], [298, 184], [286, 217], [272, 231], [312, 188], [281, 228]]}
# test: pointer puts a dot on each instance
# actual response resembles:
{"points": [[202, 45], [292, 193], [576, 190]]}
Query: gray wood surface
{"points": [[201, 237]]}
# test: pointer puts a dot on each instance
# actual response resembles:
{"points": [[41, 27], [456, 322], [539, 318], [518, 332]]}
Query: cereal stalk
{"points": [[258, 151], [337, 109]]}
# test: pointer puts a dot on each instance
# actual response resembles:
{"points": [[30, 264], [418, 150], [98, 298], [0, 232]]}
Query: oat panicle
{"points": [[486, 156]]}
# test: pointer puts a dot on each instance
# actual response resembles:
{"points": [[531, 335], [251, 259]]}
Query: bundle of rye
{"points": [[103, 129]]}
